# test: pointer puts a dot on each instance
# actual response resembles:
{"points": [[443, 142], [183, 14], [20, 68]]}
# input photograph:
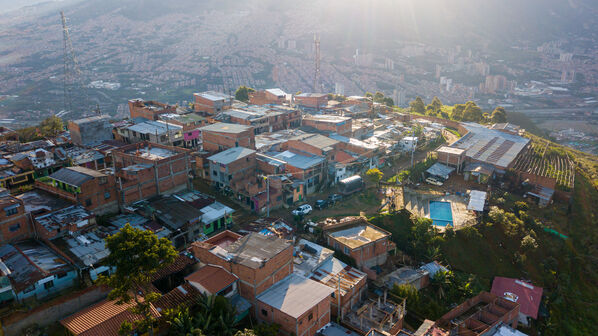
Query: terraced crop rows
{"points": [[542, 161]]}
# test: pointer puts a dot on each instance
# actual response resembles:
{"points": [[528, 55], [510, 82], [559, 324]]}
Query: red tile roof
{"points": [[527, 295], [184, 294], [179, 264], [102, 319], [213, 278]]}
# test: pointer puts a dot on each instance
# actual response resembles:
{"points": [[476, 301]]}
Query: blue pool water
{"points": [[441, 213]]}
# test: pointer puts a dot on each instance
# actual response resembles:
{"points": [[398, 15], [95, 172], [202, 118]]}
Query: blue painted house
{"points": [[32, 270]]}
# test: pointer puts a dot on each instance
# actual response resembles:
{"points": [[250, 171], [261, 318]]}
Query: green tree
{"points": [[388, 101], [266, 329], [472, 112], [181, 323], [137, 255], [457, 112], [418, 105], [435, 106], [499, 115], [374, 175], [51, 126], [242, 93], [378, 97]]}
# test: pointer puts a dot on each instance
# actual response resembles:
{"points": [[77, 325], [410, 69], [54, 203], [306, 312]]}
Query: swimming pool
{"points": [[441, 213]]}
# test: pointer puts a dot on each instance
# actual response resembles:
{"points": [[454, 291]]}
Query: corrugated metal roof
{"points": [[231, 155], [490, 145], [438, 169], [298, 160], [295, 295], [76, 176]]}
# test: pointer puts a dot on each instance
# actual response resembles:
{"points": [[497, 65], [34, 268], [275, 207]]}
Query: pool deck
{"points": [[419, 204]]}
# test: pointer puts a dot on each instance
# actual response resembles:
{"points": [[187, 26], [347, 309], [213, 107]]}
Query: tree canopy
{"points": [[242, 93], [374, 175], [418, 105], [499, 115], [137, 255]]}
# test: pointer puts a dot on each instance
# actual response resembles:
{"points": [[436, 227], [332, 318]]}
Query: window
{"points": [[106, 195], [88, 202], [11, 211], [49, 284], [215, 173], [310, 316], [29, 289], [61, 275], [103, 180], [347, 251], [264, 312], [332, 295], [14, 228], [163, 138], [236, 143]]}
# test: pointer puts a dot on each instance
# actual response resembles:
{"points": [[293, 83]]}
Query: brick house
{"points": [[150, 110], [488, 310], [258, 261], [309, 169], [235, 169], [315, 144], [91, 130], [62, 222], [93, 189], [191, 122], [14, 224], [300, 306], [268, 96], [211, 102], [144, 170], [318, 263], [329, 124], [220, 136], [312, 101], [356, 237], [264, 119]]}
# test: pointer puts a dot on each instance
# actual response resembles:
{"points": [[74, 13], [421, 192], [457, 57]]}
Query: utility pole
{"points": [[339, 298], [268, 195]]}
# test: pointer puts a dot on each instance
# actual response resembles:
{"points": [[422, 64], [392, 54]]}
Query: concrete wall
{"points": [[53, 311], [218, 141]]}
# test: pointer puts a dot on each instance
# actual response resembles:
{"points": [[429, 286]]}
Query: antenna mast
{"points": [[72, 73], [317, 63]]}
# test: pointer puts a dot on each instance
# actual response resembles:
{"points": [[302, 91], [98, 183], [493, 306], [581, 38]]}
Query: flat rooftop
{"points": [[154, 127], [317, 140], [357, 236], [327, 118], [91, 119], [490, 145], [225, 128], [450, 150], [252, 250], [152, 152], [56, 220], [213, 95], [295, 295]]}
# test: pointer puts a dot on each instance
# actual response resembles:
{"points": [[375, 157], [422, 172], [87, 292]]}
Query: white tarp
{"points": [[477, 200]]}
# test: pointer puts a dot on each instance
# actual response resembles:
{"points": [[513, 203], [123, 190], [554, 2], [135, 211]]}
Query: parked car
{"points": [[321, 204], [334, 198], [433, 181], [302, 210]]}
